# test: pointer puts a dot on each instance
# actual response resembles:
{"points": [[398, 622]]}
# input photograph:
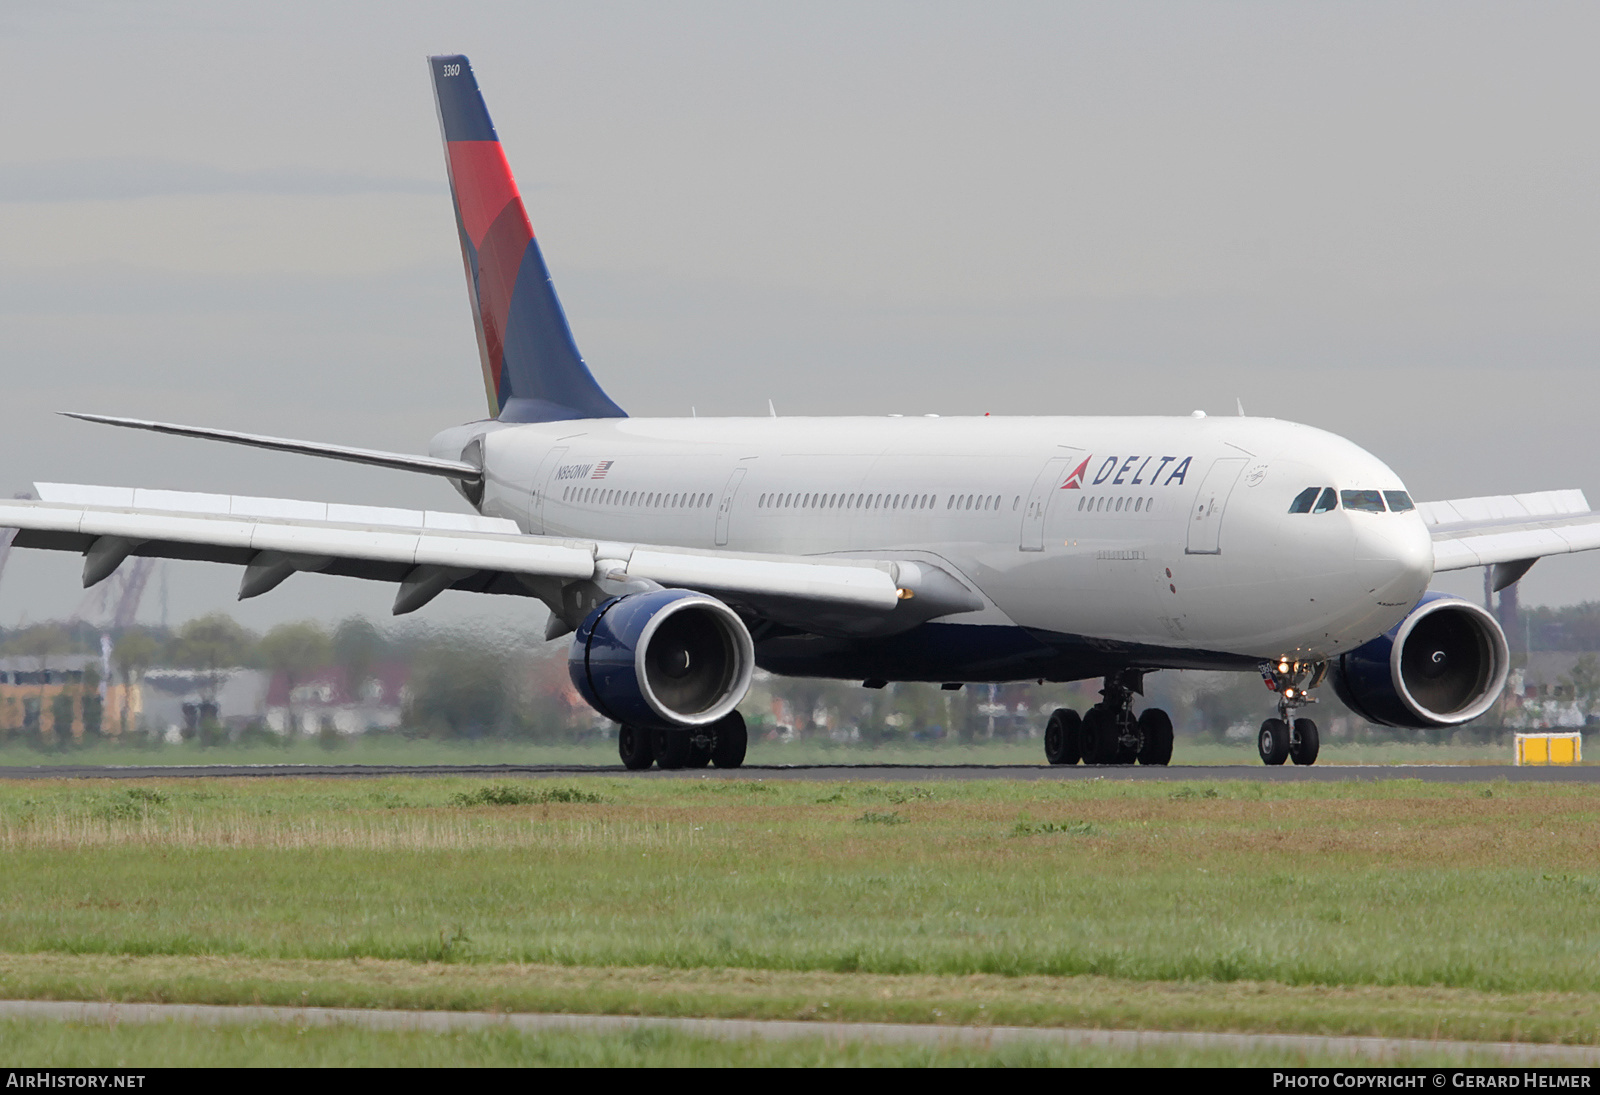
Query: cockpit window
{"points": [[1302, 501], [1399, 501], [1368, 501], [1328, 501]]}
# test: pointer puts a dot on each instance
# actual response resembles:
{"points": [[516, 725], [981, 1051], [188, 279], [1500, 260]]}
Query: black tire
{"points": [[699, 754], [1305, 743], [732, 741], [1099, 736], [1063, 737], [1156, 726], [671, 748], [1273, 742], [635, 748]]}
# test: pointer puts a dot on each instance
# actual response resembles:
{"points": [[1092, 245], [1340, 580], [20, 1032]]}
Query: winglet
{"points": [[532, 369]]}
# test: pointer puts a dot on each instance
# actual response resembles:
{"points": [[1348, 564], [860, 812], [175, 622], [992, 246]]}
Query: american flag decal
{"points": [[601, 468]]}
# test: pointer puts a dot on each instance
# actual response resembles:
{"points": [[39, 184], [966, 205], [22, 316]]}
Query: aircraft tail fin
{"points": [[532, 369]]}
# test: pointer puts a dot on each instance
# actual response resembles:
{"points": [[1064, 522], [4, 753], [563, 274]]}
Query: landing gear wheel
{"points": [[1063, 737], [1156, 726], [633, 745], [1128, 751], [732, 739], [671, 748], [1273, 741], [1100, 744], [1305, 742], [699, 750]]}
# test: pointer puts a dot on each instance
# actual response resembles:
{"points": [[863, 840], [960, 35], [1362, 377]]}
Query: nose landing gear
{"points": [[1284, 738]]}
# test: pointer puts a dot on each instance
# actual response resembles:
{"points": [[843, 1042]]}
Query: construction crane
{"points": [[113, 605]]}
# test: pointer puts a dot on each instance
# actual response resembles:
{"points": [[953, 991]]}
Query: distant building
{"points": [[1549, 692], [328, 700], [175, 703], [63, 695]]}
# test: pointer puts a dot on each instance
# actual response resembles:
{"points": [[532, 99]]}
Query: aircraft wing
{"points": [[426, 552], [1509, 532]]}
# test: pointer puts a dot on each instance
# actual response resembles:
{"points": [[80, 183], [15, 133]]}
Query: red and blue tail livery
{"points": [[532, 369]]}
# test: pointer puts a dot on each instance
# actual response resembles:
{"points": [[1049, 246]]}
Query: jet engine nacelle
{"points": [[665, 659], [1442, 665]]}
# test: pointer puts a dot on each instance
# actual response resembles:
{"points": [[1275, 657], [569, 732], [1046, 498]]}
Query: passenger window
{"points": [[1328, 501], [1367, 501], [1302, 501], [1399, 501]]}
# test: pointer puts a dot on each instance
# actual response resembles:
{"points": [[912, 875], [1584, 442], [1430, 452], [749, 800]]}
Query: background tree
{"points": [[357, 648], [61, 712], [1585, 682], [133, 653], [41, 644], [212, 645], [297, 651], [459, 689], [90, 706]]}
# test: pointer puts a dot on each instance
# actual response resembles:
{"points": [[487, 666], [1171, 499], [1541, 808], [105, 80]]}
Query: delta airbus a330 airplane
{"points": [[683, 552]]}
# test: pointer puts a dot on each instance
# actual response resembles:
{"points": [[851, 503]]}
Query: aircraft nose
{"points": [[1395, 557]]}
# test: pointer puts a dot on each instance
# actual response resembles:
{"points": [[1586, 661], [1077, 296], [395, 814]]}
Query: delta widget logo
{"points": [[1075, 480]]}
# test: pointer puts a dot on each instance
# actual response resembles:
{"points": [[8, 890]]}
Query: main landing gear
{"points": [[1108, 733], [1285, 738], [723, 744]]}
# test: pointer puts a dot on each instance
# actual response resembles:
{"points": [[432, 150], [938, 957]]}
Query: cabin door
{"points": [[1205, 514], [725, 507], [543, 480], [1045, 487]]}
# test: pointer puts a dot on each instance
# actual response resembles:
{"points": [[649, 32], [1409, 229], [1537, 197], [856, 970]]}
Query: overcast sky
{"points": [[1378, 219]]}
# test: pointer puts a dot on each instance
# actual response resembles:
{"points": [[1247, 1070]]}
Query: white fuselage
{"points": [[1169, 533]]}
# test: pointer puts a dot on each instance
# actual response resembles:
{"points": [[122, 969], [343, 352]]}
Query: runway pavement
{"points": [[922, 773]]}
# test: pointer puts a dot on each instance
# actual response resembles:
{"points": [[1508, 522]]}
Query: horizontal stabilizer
{"points": [[399, 461]]}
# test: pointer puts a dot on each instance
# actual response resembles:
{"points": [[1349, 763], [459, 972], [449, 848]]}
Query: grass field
{"points": [[384, 749], [1393, 908], [79, 1046]]}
